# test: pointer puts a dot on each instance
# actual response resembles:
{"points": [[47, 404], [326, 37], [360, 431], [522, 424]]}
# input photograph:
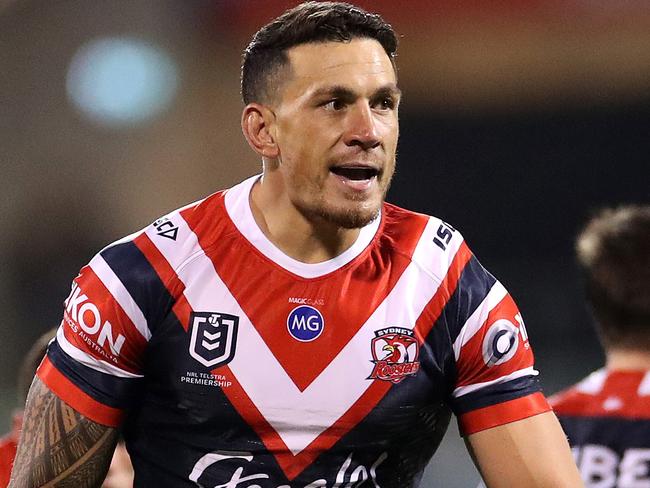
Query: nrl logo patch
{"points": [[395, 353], [213, 337]]}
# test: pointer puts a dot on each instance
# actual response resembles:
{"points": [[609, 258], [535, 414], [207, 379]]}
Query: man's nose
{"points": [[362, 129]]}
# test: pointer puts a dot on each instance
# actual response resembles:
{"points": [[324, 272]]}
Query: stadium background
{"points": [[519, 120]]}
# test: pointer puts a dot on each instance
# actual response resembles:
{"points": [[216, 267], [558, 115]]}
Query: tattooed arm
{"points": [[59, 446]]}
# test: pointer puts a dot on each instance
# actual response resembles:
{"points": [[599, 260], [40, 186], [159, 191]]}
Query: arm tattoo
{"points": [[59, 447]]}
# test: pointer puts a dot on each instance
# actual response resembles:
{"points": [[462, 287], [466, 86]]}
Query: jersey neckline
{"points": [[237, 203]]}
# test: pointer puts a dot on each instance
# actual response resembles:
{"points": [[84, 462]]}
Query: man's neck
{"points": [[628, 359], [293, 233]]}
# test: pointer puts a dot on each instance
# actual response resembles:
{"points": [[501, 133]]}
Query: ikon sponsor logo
{"points": [[82, 312], [395, 353]]}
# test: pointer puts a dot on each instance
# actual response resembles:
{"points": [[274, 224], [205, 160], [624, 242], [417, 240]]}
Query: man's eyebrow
{"points": [[340, 91], [390, 90], [337, 91]]}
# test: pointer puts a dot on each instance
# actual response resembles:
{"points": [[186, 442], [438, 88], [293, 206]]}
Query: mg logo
{"points": [[213, 337], [305, 323]]}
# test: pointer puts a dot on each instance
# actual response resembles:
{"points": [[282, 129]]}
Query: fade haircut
{"points": [[310, 22], [614, 253]]}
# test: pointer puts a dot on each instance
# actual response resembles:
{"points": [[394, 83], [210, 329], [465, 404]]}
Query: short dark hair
{"points": [[309, 22], [614, 253]]}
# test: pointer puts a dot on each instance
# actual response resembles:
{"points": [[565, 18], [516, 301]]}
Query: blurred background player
{"points": [[120, 472], [9, 442], [607, 415]]}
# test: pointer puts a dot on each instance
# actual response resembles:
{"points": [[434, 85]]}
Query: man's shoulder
{"points": [[401, 223], [432, 244], [179, 233], [605, 394], [397, 216], [573, 397], [397, 211], [182, 223], [189, 222]]}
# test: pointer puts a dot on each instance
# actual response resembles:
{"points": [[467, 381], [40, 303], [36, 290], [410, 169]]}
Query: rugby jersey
{"points": [[606, 417], [228, 363], [8, 446]]}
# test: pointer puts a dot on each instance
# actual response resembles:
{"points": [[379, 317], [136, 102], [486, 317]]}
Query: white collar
{"points": [[238, 208]]}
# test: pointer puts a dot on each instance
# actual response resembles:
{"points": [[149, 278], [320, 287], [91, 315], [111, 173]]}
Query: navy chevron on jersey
{"points": [[606, 417], [231, 364]]}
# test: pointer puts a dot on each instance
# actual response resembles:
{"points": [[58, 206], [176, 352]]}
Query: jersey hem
{"points": [[67, 391], [503, 413]]}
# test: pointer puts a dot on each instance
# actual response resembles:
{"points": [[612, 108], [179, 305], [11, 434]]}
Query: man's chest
{"points": [[301, 363]]}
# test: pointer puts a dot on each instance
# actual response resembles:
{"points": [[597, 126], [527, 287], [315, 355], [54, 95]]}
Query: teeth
{"points": [[355, 173]]}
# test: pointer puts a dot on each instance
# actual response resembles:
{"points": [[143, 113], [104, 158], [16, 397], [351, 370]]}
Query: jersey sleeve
{"points": [[496, 382], [95, 362]]}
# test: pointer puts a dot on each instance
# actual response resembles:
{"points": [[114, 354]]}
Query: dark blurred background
{"points": [[519, 120]]}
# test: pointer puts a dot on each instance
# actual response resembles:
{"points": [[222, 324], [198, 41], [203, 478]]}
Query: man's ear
{"points": [[256, 124]]}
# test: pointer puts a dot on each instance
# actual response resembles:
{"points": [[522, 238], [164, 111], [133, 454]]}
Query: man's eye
{"points": [[334, 104], [387, 103]]}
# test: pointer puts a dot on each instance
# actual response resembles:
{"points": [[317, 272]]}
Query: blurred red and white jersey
{"points": [[8, 446], [230, 363], [606, 417]]}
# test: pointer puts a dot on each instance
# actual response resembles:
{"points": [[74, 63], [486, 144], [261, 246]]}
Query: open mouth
{"points": [[355, 173]]}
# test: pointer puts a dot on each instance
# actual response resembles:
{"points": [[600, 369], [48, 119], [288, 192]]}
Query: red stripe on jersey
{"points": [[618, 397], [263, 289], [72, 395], [182, 310], [472, 368], [93, 305], [436, 305], [342, 426], [160, 264], [503, 413], [168, 276], [294, 465], [290, 464], [238, 396]]}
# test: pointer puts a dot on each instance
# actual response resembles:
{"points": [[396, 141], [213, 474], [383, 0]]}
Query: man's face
{"points": [[337, 129]]}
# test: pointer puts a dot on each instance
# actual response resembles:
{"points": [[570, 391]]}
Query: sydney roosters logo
{"points": [[395, 353]]}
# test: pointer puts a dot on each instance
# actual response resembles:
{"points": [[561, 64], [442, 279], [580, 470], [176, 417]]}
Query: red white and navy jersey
{"points": [[230, 364], [8, 445], [607, 420]]}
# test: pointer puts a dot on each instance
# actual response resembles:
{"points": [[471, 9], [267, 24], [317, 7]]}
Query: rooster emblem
{"points": [[395, 353], [397, 348]]}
